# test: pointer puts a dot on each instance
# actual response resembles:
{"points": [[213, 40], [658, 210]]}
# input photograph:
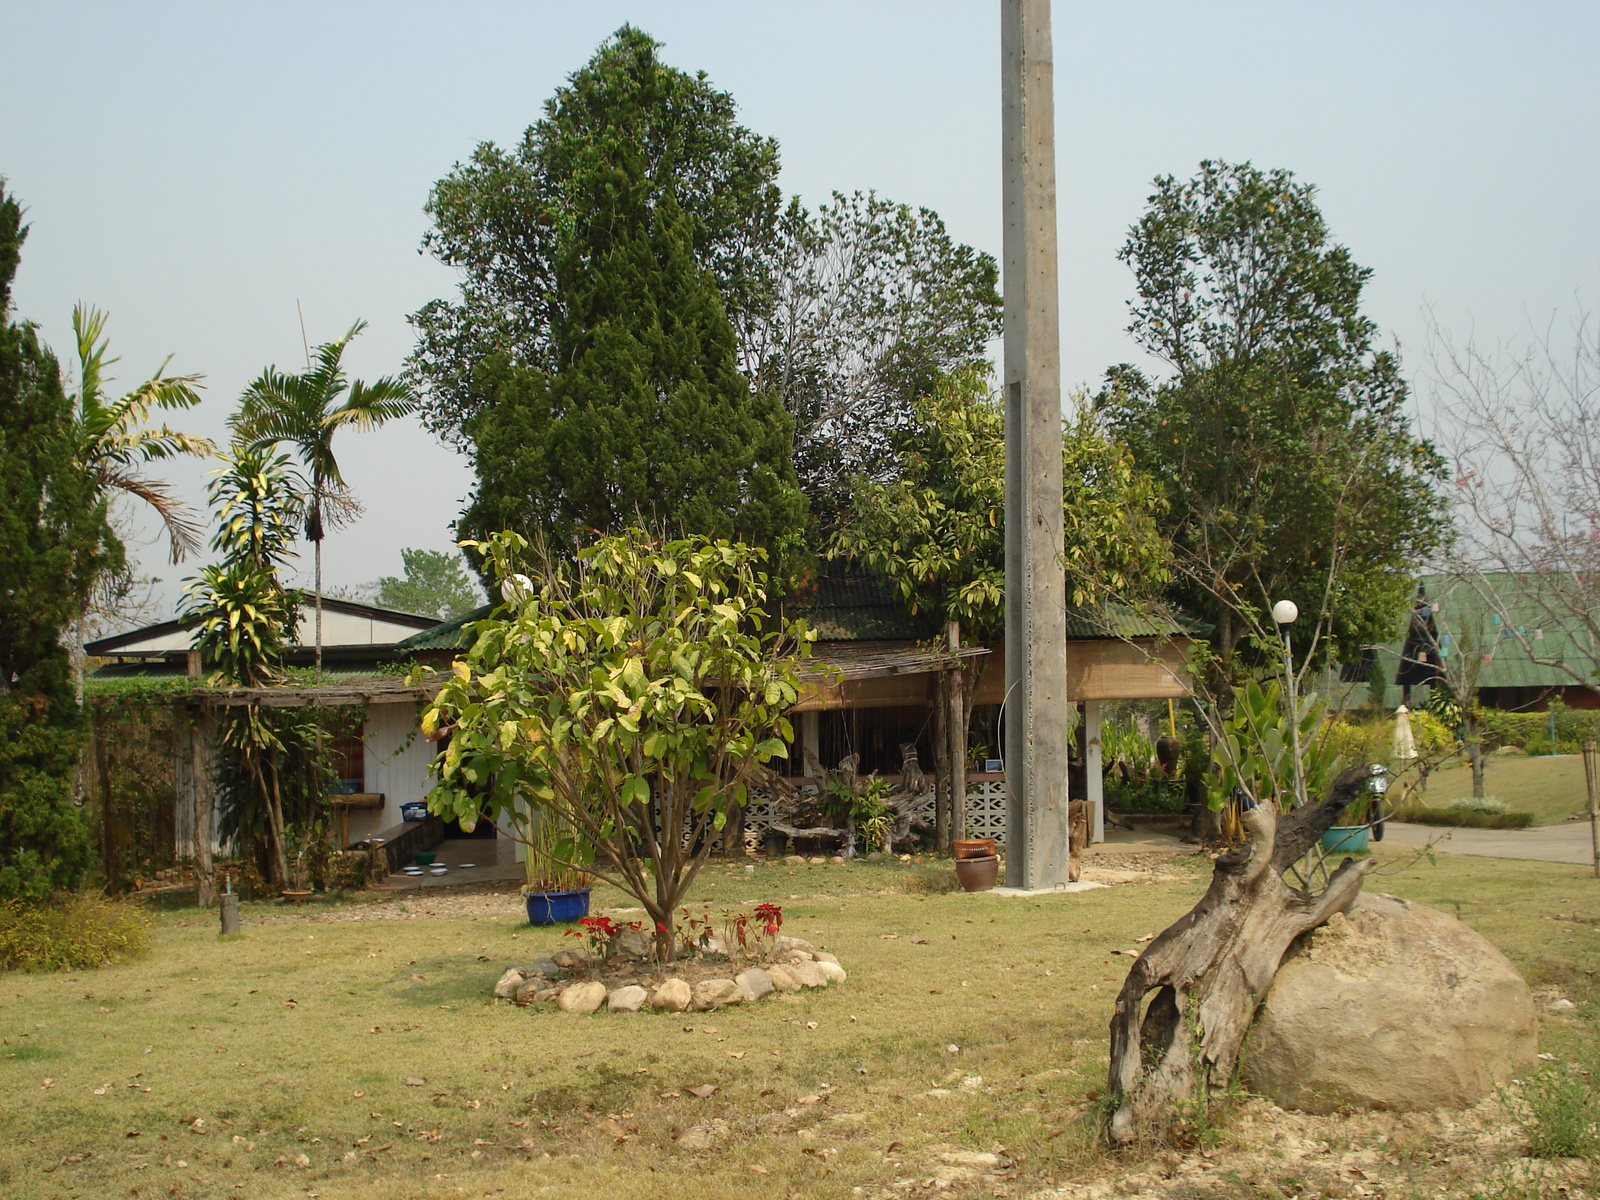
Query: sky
{"points": [[209, 172]]}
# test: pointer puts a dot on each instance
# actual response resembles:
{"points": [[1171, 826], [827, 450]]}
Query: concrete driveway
{"points": [[1568, 842]]}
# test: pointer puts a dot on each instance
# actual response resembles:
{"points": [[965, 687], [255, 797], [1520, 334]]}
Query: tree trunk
{"points": [[317, 597], [1211, 969], [1474, 748], [943, 774], [205, 874]]}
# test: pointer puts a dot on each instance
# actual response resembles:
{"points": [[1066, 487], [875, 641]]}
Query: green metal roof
{"points": [[845, 606], [450, 635], [1091, 622]]}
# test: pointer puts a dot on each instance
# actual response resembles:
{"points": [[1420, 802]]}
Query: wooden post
{"points": [[956, 731], [1094, 791], [943, 777], [108, 824], [1589, 772], [1037, 854], [204, 825]]}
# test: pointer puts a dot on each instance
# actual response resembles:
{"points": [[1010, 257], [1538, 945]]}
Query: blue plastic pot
{"points": [[1345, 839], [557, 908]]}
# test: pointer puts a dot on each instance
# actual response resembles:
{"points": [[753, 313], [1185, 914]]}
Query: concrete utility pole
{"points": [[1036, 647]]}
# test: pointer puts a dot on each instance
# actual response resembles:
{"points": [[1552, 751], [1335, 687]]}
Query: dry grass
{"points": [[297, 1040]]}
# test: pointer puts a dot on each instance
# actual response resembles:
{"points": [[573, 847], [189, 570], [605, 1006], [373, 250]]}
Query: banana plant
{"points": [[1253, 753]]}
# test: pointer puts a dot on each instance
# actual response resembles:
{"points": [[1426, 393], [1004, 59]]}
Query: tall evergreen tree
{"points": [[54, 541], [644, 414]]}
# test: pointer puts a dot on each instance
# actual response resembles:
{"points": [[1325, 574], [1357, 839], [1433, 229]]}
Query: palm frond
{"points": [[183, 527]]}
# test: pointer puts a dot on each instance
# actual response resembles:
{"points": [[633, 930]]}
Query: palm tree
{"points": [[112, 440], [305, 411]]}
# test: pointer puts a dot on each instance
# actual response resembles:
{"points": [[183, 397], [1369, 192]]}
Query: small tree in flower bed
{"points": [[631, 694]]}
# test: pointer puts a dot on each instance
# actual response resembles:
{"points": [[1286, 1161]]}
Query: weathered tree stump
{"points": [[790, 808], [1212, 968]]}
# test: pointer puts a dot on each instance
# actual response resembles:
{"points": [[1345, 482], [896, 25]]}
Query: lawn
{"points": [[276, 1064], [1551, 787]]}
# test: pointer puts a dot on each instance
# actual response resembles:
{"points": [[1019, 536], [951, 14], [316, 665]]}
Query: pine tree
{"points": [[646, 416], [54, 540]]}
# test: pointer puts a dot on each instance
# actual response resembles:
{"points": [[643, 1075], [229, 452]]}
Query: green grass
{"points": [[297, 1039], [1550, 787]]}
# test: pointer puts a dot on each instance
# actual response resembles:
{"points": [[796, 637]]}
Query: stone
{"points": [[701, 1137], [972, 1158], [809, 974], [543, 966], [714, 993], [797, 956], [831, 971], [823, 956], [633, 942], [528, 991], [672, 996], [627, 999], [785, 942], [506, 989], [782, 979], [582, 997], [754, 983], [837, 860], [1392, 1006], [546, 993], [795, 860], [565, 960], [818, 860]]}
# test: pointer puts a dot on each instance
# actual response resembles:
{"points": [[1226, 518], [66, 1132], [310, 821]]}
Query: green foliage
{"points": [[629, 693], [70, 933], [645, 417], [1564, 1107], [506, 220], [54, 543], [1255, 752], [435, 584], [1464, 818], [112, 438], [1280, 438], [306, 411], [275, 765], [938, 531]]}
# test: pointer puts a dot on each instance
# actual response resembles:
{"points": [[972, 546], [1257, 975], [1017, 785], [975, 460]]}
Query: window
{"points": [[349, 764]]}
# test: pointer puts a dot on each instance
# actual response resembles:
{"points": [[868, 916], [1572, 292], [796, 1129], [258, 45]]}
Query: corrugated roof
{"points": [[1092, 622], [445, 636], [1485, 617], [853, 606]]}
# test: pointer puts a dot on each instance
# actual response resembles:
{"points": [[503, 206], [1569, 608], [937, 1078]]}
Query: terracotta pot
{"points": [[974, 847], [294, 896], [978, 874]]}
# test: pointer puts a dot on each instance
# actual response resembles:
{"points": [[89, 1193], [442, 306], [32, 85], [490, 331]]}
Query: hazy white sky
{"points": [[198, 168]]}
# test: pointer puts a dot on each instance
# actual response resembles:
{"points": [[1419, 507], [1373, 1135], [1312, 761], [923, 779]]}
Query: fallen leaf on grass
{"points": [[358, 1095], [1149, 937], [882, 937], [811, 1024], [704, 1091], [758, 1169], [810, 1099], [413, 1081], [734, 1053], [919, 941], [1129, 953], [670, 1095]]}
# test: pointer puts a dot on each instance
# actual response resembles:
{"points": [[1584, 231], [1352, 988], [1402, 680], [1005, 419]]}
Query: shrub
{"points": [[1565, 1116], [70, 932], [1479, 804], [1462, 819]]}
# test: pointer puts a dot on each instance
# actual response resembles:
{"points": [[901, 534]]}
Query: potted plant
{"points": [[302, 844], [556, 891], [1361, 819]]}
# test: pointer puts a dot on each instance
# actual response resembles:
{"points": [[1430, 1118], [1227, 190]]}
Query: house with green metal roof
{"points": [[1523, 652]]}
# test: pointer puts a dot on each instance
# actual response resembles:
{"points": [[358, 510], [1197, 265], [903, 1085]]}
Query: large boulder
{"points": [[1391, 1006]]}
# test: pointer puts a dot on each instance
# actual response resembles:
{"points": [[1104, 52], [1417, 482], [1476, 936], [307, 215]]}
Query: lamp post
{"points": [[1283, 614]]}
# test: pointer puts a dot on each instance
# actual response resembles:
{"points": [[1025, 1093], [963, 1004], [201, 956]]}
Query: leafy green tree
{"points": [[503, 218], [869, 304], [435, 584], [306, 411], [1279, 437], [273, 771], [113, 442], [54, 543], [937, 531], [631, 694], [646, 418]]}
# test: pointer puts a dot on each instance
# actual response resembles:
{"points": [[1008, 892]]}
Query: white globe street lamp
{"points": [[1284, 613]]}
